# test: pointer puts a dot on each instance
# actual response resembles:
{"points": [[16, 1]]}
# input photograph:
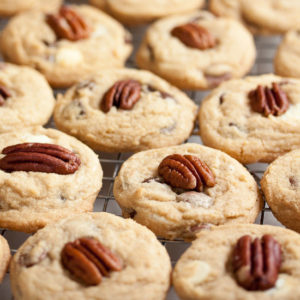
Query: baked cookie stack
{"points": [[67, 66]]}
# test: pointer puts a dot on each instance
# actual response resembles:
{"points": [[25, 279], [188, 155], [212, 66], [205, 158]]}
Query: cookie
{"points": [[261, 17], [4, 257], [167, 196], [67, 46], [255, 119], [135, 12], [45, 268], [287, 57], [45, 175], [125, 110], [281, 186], [197, 51], [26, 99], [217, 265], [12, 7]]}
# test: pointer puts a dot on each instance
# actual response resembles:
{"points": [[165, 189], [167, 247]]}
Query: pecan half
{"points": [[268, 101], [256, 264], [88, 260], [67, 24], [123, 94], [194, 36], [35, 157], [186, 171], [4, 94]]}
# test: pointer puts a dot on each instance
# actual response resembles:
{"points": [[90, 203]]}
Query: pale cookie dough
{"points": [[190, 68], [133, 12], [204, 271], [281, 186], [146, 272], [30, 200], [262, 17], [11, 7], [4, 257], [287, 58], [163, 116], [64, 62], [228, 123], [31, 100], [174, 213]]}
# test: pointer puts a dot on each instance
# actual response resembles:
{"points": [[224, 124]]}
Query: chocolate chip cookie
{"points": [[262, 17], [135, 11], [287, 58], [91, 256], [26, 99], [281, 186], [11, 7], [45, 175], [66, 46], [240, 262], [255, 119], [181, 190], [125, 110], [197, 50]]}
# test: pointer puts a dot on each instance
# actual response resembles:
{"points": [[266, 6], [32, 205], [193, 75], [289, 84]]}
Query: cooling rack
{"points": [[111, 163]]}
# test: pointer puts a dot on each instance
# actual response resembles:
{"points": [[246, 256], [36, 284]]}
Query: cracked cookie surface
{"points": [[30, 101], [64, 62], [190, 68], [204, 271], [133, 12], [162, 116], [228, 123], [281, 187], [30, 200], [146, 269], [174, 213]]}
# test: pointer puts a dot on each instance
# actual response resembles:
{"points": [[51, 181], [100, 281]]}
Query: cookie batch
{"points": [[170, 188]]}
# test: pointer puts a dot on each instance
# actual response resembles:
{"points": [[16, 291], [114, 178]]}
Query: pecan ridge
{"points": [[36, 157], [88, 260], [4, 94], [194, 36], [123, 94], [186, 172], [67, 24], [256, 264], [269, 101]]}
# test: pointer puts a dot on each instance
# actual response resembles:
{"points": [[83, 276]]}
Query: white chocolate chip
{"points": [[293, 112], [195, 199], [68, 57], [279, 284], [195, 272], [99, 31], [30, 138]]}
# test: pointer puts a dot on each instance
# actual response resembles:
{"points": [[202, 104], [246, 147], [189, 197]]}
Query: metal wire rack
{"points": [[111, 163]]}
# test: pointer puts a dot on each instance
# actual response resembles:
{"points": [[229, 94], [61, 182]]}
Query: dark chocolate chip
{"points": [[222, 98]]}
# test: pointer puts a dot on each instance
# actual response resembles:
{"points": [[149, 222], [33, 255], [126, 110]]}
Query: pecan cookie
{"points": [[26, 99], [287, 58], [240, 262], [45, 175], [255, 119], [261, 17], [4, 257], [281, 186], [91, 256], [66, 46], [11, 7], [178, 191], [197, 51], [125, 110], [135, 11]]}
